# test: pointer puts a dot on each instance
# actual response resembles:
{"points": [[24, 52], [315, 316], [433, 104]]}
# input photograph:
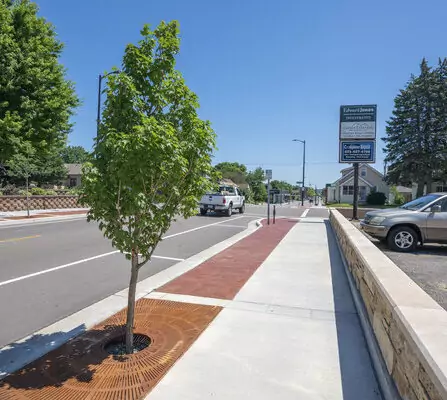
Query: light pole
{"points": [[98, 114], [304, 168]]}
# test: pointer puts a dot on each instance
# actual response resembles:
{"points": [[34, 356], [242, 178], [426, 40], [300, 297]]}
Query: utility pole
{"points": [[356, 192], [304, 168]]}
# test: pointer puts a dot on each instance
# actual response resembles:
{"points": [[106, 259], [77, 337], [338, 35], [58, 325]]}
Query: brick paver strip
{"points": [[82, 369], [223, 275]]}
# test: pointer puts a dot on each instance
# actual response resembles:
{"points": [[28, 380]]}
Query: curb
{"points": [[9, 223], [31, 347]]}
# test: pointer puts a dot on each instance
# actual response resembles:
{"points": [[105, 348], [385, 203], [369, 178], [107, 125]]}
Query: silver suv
{"points": [[421, 221]]}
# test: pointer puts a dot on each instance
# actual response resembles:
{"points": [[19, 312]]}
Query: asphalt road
{"points": [[51, 270]]}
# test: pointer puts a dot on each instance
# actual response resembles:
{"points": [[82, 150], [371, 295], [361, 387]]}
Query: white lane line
{"points": [[232, 226], [304, 214], [46, 271], [169, 258], [200, 227]]}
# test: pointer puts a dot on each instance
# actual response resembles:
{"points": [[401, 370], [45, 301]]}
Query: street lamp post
{"points": [[304, 168], [98, 114]]}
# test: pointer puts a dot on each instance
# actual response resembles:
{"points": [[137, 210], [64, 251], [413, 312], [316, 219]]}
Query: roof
{"points": [[362, 165], [74, 169], [403, 189]]}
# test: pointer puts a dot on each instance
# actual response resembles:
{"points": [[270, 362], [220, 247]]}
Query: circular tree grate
{"points": [[117, 345]]}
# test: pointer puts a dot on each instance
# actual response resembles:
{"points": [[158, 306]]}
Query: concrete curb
{"points": [[409, 327], [37, 221], [20, 353]]}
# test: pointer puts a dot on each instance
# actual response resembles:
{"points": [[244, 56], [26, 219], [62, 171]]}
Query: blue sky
{"points": [[265, 71]]}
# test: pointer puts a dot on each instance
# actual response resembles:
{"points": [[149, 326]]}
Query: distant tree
{"points": [[36, 99], [416, 141], [281, 185], [22, 166], [75, 155], [256, 180], [232, 170], [311, 192], [152, 159]]}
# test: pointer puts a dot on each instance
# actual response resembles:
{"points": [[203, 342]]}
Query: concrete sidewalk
{"points": [[292, 332]]}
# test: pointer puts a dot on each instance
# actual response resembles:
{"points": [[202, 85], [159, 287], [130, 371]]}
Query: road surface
{"points": [[50, 270]]}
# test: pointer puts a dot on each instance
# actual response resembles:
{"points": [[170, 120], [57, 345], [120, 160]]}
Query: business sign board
{"points": [[268, 173], [357, 151], [358, 122]]}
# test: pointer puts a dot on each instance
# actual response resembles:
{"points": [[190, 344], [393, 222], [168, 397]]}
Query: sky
{"points": [[266, 71]]}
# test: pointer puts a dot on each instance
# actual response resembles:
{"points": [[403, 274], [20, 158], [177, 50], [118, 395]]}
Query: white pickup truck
{"points": [[228, 198]]}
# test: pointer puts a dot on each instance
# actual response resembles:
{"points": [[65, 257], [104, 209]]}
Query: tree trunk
{"points": [[420, 189], [131, 302], [27, 197]]}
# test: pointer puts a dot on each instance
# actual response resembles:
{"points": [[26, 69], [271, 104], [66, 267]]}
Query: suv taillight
{"points": [[224, 200]]}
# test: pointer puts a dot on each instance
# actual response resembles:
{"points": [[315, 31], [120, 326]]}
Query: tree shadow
{"points": [[357, 373], [58, 361]]}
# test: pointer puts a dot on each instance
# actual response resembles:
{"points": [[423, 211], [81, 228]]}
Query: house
{"points": [[342, 190], [74, 175], [436, 187]]}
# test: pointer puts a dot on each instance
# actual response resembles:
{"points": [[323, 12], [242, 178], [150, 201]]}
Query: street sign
{"points": [[357, 151], [268, 173], [358, 122]]}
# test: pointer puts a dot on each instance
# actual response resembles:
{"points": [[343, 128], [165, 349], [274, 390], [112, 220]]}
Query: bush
{"points": [[1, 193], [50, 192], [10, 190], [37, 191], [376, 199], [22, 192], [399, 198]]}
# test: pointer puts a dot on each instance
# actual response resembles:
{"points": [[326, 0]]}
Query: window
{"points": [[73, 182], [441, 188], [348, 190], [363, 172]]}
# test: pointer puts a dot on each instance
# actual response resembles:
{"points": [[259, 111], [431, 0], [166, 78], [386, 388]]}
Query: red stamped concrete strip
{"points": [[223, 275], [82, 369]]}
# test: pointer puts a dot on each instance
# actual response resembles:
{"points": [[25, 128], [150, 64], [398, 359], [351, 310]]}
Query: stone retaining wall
{"points": [[18, 203], [410, 327]]}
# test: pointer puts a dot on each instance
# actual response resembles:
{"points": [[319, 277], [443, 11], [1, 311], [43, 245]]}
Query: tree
{"points": [[22, 166], [311, 192], [256, 180], [232, 170], [36, 100], [152, 158], [416, 141], [75, 155], [281, 185]]}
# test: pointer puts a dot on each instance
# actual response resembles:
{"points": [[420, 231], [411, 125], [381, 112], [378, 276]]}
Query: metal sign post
{"points": [[355, 204], [268, 174]]}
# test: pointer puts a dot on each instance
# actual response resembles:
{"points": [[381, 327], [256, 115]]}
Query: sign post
{"points": [[268, 174], [357, 141]]}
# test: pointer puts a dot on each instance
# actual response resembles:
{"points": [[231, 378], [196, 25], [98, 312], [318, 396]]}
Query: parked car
{"points": [[227, 199], [423, 220]]}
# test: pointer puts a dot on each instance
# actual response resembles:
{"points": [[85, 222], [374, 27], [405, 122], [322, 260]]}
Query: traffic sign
{"points": [[357, 151], [358, 122], [268, 173]]}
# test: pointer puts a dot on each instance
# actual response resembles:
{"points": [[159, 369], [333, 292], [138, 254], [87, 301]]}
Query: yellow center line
{"points": [[18, 239]]}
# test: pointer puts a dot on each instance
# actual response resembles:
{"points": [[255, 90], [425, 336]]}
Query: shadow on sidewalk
{"points": [[357, 374], [58, 361]]}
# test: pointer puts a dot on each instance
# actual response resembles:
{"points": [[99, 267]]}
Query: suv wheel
{"points": [[229, 210], [242, 209], [403, 239]]}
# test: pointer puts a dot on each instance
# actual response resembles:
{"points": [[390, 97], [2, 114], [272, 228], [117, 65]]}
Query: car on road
{"points": [[227, 199], [420, 221]]}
